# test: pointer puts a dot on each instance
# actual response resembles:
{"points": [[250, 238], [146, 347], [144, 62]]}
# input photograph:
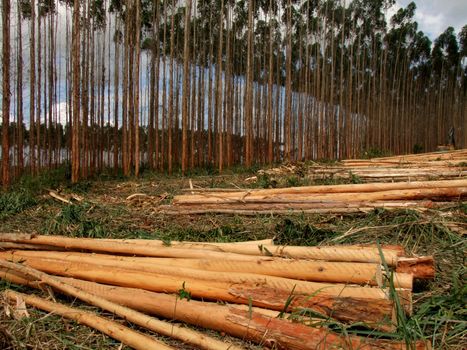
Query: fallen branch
{"points": [[59, 198]]}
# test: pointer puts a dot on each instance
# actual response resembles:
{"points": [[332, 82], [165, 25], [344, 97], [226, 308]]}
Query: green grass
{"points": [[12, 203]]}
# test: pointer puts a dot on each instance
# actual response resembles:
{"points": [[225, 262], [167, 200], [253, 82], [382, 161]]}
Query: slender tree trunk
{"points": [[171, 92], [248, 105], [186, 85], [19, 97], [125, 103], [76, 92], [32, 86], [116, 96], [6, 94], [219, 116], [137, 92]]}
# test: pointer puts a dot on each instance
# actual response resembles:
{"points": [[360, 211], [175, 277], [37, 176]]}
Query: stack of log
{"points": [[320, 199], [451, 156], [417, 167], [276, 296]]}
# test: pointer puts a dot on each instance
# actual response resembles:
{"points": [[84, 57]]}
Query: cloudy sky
{"points": [[434, 16]]}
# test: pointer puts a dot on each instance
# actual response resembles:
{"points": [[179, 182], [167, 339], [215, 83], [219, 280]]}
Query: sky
{"points": [[434, 16]]}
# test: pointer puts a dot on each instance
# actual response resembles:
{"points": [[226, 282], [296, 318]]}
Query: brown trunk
{"points": [[75, 151], [186, 86]]}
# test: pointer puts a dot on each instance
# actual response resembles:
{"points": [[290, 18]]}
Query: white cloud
{"points": [[434, 16]]}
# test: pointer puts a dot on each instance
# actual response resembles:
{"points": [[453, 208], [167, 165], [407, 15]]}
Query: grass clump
{"points": [[294, 233], [375, 152], [224, 233], [72, 220], [443, 317], [15, 202]]}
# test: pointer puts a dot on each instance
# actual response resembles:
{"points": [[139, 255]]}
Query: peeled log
{"points": [[232, 320], [10, 245], [214, 290], [450, 191], [240, 252], [186, 335], [332, 189], [242, 294], [378, 314], [113, 329], [97, 245], [322, 271]]}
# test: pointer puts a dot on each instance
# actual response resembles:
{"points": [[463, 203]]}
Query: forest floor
{"points": [[105, 211]]}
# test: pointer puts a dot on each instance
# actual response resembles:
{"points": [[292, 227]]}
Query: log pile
{"points": [[417, 167], [320, 199], [281, 297]]}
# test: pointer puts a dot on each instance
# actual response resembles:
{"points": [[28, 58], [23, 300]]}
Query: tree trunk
{"points": [[75, 165]]}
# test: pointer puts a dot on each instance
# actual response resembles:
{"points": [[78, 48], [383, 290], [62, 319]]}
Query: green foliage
{"points": [[417, 148], [183, 293], [293, 181], [265, 181], [294, 233], [73, 221], [24, 193], [36, 184], [355, 179], [444, 316], [15, 202], [375, 152], [224, 233]]}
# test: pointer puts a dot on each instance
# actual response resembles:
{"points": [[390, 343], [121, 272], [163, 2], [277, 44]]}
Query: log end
{"points": [[421, 267]]}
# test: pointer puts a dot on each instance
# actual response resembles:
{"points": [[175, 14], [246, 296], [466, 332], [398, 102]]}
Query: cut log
{"points": [[21, 246], [403, 280], [325, 189], [400, 194], [329, 253], [274, 274], [113, 329], [232, 320], [97, 245], [164, 328], [171, 283], [421, 268]]}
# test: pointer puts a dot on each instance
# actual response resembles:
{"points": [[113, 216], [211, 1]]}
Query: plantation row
{"points": [[169, 83]]}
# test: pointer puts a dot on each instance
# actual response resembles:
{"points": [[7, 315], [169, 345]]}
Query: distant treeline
{"points": [[194, 83]]}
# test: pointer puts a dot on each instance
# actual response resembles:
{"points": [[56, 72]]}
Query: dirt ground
{"points": [[107, 211]]}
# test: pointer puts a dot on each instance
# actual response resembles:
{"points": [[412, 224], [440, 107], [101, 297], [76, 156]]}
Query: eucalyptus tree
{"points": [[6, 8], [186, 85], [75, 152]]}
